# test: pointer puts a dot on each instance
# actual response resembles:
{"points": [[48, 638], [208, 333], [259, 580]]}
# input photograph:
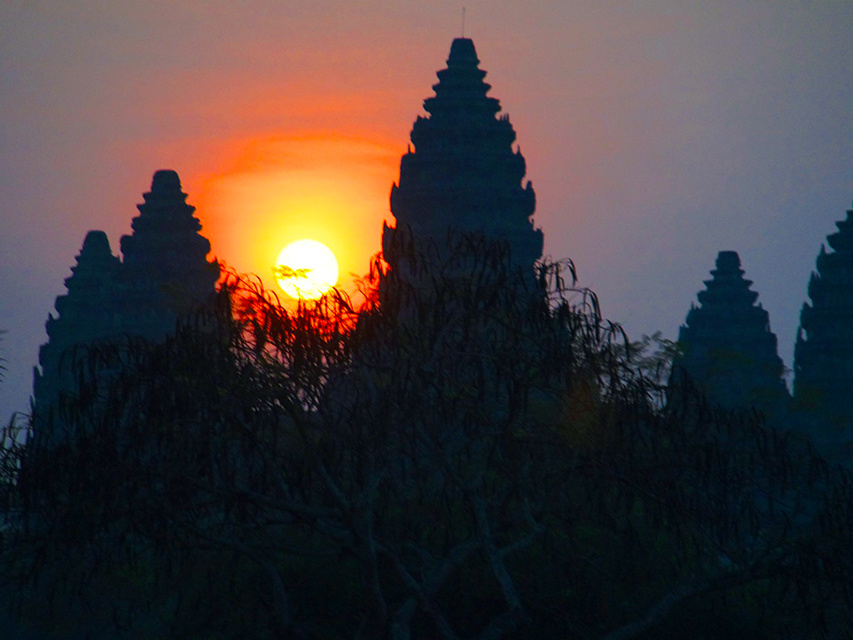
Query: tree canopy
{"points": [[471, 451]]}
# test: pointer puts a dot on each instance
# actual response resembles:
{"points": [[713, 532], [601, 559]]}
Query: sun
{"points": [[306, 269]]}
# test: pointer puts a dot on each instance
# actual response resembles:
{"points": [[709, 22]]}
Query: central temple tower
{"points": [[463, 176]]}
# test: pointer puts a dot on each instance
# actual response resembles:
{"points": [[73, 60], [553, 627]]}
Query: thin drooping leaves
{"points": [[472, 451]]}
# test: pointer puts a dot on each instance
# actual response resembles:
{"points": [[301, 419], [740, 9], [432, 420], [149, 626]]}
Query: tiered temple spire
{"points": [[86, 314], [823, 356], [165, 271], [728, 348], [463, 175]]}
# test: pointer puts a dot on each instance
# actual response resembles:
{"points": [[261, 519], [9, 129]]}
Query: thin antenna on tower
{"points": [[463, 21]]}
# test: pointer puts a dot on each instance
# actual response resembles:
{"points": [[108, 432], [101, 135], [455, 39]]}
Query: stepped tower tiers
{"points": [[165, 273], [463, 177], [86, 314], [165, 270], [823, 356], [728, 348]]}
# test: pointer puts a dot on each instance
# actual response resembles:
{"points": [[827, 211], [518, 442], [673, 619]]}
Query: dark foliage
{"points": [[472, 452]]}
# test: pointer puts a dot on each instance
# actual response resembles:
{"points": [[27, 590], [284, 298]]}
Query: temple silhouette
{"points": [[164, 273], [462, 177], [727, 346], [729, 351], [823, 354]]}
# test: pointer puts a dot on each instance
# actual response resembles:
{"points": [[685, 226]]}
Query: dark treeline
{"points": [[470, 452]]}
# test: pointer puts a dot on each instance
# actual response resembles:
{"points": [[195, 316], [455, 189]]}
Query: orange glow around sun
{"points": [[331, 188]]}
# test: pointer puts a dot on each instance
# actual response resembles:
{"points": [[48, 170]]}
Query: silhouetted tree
{"points": [[2, 360], [473, 452]]}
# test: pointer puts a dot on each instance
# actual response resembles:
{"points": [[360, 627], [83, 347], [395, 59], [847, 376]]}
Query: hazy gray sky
{"points": [[656, 134]]}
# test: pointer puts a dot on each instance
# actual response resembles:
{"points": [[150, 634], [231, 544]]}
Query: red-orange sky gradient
{"points": [[321, 185], [656, 134]]}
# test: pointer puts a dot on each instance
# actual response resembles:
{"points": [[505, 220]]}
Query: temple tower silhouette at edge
{"points": [[728, 349], [463, 177], [823, 355]]}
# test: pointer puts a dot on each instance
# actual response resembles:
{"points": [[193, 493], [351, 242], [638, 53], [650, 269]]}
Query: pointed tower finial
{"points": [[463, 20]]}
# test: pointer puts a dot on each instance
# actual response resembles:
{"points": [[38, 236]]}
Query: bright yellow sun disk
{"points": [[306, 269]]}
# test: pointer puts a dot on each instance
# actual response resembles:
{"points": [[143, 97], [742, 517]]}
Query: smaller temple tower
{"points": [[728, 348], [86, 315], [823, 356]]}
